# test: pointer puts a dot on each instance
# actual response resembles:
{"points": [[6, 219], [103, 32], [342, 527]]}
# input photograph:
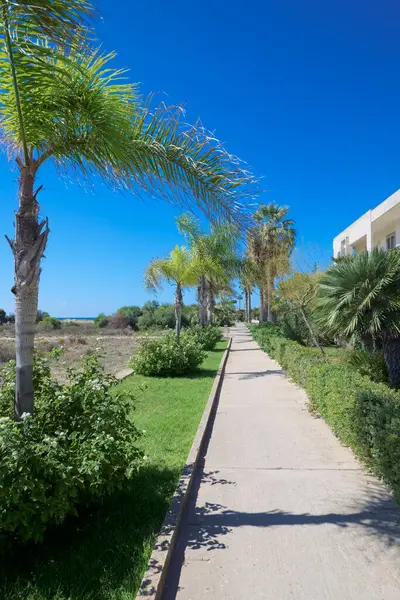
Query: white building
{"points": [[377, 228]]}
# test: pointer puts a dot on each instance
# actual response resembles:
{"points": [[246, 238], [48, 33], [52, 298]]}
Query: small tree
{"points": [[179, 270], [3, 316], [101, 320], [132, 313], [270, 243], [299, 291]]}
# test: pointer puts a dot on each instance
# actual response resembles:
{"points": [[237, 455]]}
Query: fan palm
{"points": [[62, 102], [179, 270], [359, 297], [270, 243]]}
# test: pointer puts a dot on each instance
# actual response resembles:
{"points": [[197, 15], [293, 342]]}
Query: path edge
{"points": [[153, 581]]}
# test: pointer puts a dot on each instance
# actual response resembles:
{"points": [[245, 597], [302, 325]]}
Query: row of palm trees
{"points": [[211, 261], [270, 242], [208, 263], [64, 102]]}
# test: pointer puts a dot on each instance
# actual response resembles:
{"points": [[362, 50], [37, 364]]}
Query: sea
{"points": [[76, 318]]}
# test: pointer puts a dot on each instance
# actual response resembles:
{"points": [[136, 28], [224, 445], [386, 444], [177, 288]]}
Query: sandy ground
{"points": [[116, 350]]}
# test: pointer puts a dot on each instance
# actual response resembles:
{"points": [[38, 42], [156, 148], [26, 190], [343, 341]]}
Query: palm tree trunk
{"points": [[391, 352], [311, 330], [210, 303], [28, 247], [178, 310], [202, 300], [270, 287], [246, 304], [262, 305], [249, 303]]}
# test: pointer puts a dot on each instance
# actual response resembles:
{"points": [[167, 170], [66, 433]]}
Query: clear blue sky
{"points": [[306, 92]]}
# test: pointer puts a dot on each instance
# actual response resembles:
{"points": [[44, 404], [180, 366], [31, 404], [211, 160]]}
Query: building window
{"points": [[391, 241]]}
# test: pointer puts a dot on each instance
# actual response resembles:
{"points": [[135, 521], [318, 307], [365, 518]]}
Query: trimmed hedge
{"points": [[364, 415]]}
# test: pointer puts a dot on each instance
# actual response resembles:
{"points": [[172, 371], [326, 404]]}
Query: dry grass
{"points": [[115, 350]]}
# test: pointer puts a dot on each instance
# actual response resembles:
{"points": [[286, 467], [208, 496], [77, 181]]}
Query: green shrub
{"points": [[101, 321], [168, 356], [40, 315], [50, 323], [363, 414], [162, 317], [206, 336], [369, 363], [119, 321], [133, 313], [78, 447]]}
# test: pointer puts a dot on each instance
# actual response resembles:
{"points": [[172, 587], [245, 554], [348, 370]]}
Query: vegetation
{"points": [[206, 336], [101, 320], [79, 447], [297, 295], [270, 242], [359, 300], [103, 553], [363, 414], [225, 312], [179, 269], [48, 323], [63, 102], [215, 261], [168, 356]]}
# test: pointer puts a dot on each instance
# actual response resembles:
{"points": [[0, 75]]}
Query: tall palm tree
{"points": [[359, 297], [270, 244], [179, 270], [62, 102], [216, 259], [247, 281]]}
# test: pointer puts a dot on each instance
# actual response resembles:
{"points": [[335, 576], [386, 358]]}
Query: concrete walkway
{"points": [[281, 510]]}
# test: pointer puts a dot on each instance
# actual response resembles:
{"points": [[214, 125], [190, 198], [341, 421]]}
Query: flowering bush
{"points": [[168, 356], [77, 447], [206, 336]]}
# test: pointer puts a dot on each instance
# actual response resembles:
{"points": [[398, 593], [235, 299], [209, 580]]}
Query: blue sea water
{"points": [[76, 318]]}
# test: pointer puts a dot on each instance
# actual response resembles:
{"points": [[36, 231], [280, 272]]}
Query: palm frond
{"points": [[89, 119], [361, 295]]}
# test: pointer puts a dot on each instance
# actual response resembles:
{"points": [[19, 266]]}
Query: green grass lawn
{"points": [[102, 554]]}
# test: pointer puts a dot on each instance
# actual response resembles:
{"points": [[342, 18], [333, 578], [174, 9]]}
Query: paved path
{"points": [[281, 510]]}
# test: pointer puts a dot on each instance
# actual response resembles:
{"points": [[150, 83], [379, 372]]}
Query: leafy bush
{"points": [[162, 317], [50, 323], [101, 321], [206, 336], [225, 312], [78, 447], [133, 313], [118, 321], [168, 356], [41, 314], [363, 414], [369, 363]]}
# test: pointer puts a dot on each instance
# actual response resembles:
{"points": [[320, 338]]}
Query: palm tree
{"points": [[62, 102], [247, 280], [270, 244], [359, 298], [216, 261], [179, 270]]}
